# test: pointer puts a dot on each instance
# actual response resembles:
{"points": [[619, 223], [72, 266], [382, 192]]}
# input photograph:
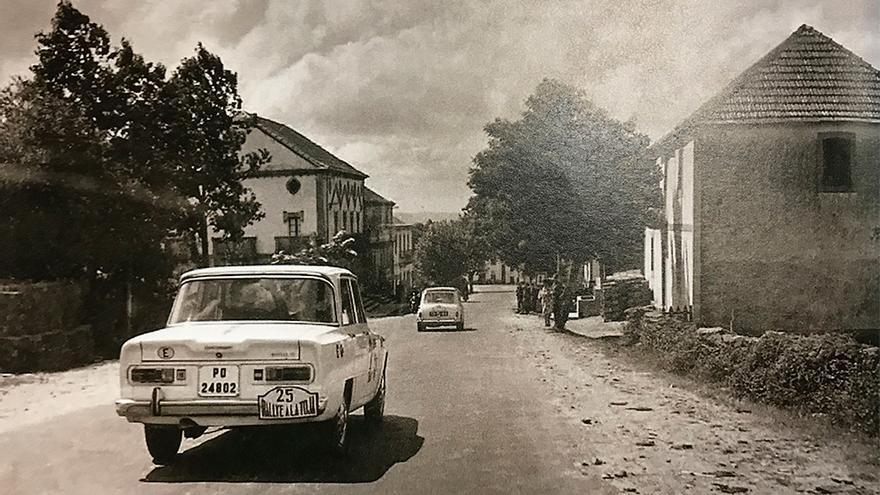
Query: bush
{"points": [[827, 374]]}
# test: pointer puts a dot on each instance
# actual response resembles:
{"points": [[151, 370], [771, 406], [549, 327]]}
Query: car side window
{"points": [[348, 314], [358, 303]]}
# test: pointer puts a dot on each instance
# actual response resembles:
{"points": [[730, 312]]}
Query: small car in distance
{"points": [[254, 346], [439, 307]]}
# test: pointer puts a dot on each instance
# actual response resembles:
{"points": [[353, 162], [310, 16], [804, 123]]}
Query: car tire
{"points": [[420, 327], [163, 442], [374, 411], [338, 430], [459, 326]]}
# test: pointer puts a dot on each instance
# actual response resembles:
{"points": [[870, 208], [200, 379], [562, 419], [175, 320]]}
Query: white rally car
{"points": [[440, 306], [255, 345]]}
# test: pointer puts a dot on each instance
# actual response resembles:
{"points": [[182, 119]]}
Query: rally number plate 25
{"points": [[288, 403], [218, 381]]}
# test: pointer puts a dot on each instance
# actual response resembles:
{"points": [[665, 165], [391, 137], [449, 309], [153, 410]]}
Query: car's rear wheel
{"points": [[460, 325], [163, 442], [374, 411], [420, 327]]}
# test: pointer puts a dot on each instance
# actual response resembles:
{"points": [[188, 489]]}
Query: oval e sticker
{"points": [[165, 352]]}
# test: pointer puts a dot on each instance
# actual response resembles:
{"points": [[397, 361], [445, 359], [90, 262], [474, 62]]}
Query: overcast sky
{"points": [[401, 89]]}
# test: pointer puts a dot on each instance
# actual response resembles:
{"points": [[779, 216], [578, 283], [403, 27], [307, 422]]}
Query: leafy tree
{"points": [[476, 246], [102, 157], [163, 155], [44, 144], [206, 132], [563, 180], [77, 121], [447, 251]]}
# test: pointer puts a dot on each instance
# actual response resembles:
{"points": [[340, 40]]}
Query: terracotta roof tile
{"points": [[808, 77], [304, 147]]}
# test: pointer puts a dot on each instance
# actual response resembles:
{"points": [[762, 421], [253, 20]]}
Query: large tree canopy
{"points": [[448, 251], [103, 157], [564, 180]]}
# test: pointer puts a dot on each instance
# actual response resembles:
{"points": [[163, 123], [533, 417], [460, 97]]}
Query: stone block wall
{"points": [[40, 326]]}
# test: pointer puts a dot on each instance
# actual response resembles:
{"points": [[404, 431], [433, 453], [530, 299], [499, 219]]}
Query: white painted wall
{"points": [[653, 269], [272, 193]]}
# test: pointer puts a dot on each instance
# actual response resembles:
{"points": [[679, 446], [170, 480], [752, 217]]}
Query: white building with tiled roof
{"points": [[771, 193], [305, 191]]}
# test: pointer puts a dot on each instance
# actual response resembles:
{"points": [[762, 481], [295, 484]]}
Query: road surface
{"points": [[504, 407], [465, 414]]}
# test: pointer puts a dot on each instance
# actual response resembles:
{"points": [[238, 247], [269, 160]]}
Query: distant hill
{"points": [[424, 216]]}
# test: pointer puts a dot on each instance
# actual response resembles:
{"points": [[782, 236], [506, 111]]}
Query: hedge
{"points": [[826, 374]]}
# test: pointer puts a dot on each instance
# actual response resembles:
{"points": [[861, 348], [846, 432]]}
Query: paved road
{"points": [[466, 414]]}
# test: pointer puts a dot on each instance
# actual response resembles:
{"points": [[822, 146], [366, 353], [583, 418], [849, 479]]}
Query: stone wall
{"points": [[40, 326], [827, 374], [618, 295]]}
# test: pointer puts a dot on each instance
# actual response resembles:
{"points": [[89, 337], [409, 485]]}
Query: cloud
{"points": [[402, 88]]}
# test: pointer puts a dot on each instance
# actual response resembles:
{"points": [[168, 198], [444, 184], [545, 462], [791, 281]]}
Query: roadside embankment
{"points": [[826, 374]]}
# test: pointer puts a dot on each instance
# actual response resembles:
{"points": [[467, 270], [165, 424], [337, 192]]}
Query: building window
{"points": [[837, 154], [344, 221], [294, 223], [357, 222], [293, 185], [335, 222]]}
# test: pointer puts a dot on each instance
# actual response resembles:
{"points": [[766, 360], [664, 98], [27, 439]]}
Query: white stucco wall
{"points": [[678, 252], [654, 264], [272, 193]]}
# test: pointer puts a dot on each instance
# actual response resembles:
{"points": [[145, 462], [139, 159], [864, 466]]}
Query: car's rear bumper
{"points": [[225, 412], [439, 323]]}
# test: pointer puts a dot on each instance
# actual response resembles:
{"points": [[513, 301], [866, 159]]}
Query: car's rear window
{"points": [[260, 298], [438, 296]]}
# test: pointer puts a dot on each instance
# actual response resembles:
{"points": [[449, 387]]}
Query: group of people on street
{"points": [[527, 298], [552, 300]]}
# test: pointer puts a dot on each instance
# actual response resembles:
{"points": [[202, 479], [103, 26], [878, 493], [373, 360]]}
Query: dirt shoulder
{"points": [[36, 397], [660, 433]]}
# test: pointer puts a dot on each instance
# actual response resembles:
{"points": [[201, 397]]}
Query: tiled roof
{"points": [[370, 196], [808, 77], [304, 147]]}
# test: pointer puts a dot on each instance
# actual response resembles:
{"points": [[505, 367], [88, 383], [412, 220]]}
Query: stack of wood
{"points": [[624, 293]]}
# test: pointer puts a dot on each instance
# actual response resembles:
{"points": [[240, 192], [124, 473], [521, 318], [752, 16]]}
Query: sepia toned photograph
{"points": [[439, 247]]}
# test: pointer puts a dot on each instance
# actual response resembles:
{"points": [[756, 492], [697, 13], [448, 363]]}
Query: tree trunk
{"points": [[203, 239]]}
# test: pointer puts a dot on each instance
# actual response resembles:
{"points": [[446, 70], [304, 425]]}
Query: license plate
{"points": [[218, 381], [287, 403], [438, 313]]}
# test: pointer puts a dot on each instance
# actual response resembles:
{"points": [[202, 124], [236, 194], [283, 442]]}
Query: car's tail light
{"points": [[153, 375], [288, 373]]}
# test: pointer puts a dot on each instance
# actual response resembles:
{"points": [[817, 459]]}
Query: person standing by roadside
{"points": [[536, 304], [560, 305], [519, 297], [527, 298], [545, 296]]}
